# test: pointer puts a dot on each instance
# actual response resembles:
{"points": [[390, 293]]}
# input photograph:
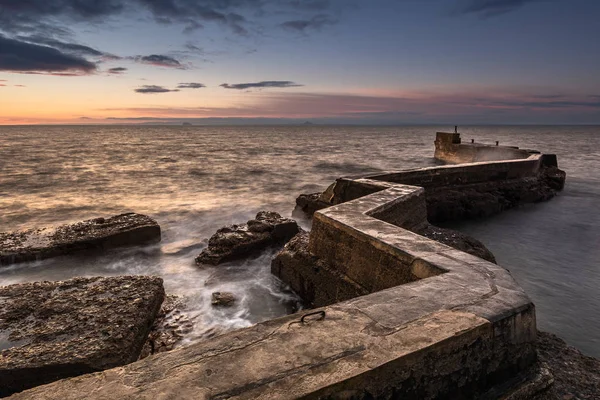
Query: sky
{"points": [[322, 61]]}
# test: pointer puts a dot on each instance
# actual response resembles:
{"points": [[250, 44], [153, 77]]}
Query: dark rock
{"points": [[223, 299], [236, 241], [451, 203], [54, 330], [309, 203], [95, 234], [169, 328], [457, 240], [576, 376]]}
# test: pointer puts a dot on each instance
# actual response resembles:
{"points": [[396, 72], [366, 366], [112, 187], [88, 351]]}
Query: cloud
{"points": [[117, 70], [315, 23], [491, 8], [160, 60], [190, 85], [73, 48], [19, 85], [150, 89], [260, 85], [49, 18], [22, 57]]}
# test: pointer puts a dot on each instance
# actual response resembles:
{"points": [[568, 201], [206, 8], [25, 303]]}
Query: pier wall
{"points": [[450, 148], [405, 316]]}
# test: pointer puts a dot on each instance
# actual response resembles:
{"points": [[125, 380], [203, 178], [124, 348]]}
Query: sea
{"points": [[196, 179]]}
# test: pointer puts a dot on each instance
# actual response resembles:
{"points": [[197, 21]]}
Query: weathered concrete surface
{"points": [[53, 330], [449, 148], [310, 278], [353, 352], [95, 234], [235, 241]]}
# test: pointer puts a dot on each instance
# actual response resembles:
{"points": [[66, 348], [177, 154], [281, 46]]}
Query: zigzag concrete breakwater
{"points": [[429, 321]]}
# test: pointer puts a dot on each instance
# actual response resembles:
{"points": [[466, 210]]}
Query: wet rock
{"points": [[169, 328], [457, 240], [309, 203], [54, 330], [223, 299], [576, 376], [236, 241], [479, 200], [94, 234]]}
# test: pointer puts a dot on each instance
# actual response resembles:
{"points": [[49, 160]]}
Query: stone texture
{"points": [[346, 355], [576, 376], [169, 328], [480, 200], [236, 241], [310, 278], [457, 240], [53, 330], [222, 299], [95, 234]]}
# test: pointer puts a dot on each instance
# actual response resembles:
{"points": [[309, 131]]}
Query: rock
{"points": [[457, 240], [54, 330], [169, 328], [479, 200], [95, 234], [224, 299], [576, 376], [309, 203], [236, 241]]}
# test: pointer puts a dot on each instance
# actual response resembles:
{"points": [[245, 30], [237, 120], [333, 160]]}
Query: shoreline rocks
{"points": [[53, 330], [237, 241], [169, 327], [94, 234], [223, 299]]}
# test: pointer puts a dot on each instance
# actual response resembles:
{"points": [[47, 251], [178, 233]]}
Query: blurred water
{"points": [[193, 180]]}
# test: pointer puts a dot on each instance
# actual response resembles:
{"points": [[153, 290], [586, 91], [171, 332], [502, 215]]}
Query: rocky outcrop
{"points": [[457, 202], [94, 234], [309, 203], [222, 299], [576, 376], [169, 328], [236, 241], [54, 330], [457, 240]]}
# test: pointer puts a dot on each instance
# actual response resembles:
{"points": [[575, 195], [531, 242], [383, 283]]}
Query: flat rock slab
{"points": [[236, 241], [54, 330], [94, 234]]}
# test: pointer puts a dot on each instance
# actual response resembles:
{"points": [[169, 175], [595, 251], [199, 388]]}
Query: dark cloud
{"points": [[117, 70], [190, 85], [302, 25], [149, 89], [66, 47], [160, 60], [490, 8], [260, 85], [49, 17], [20, 86], [24, 57]]}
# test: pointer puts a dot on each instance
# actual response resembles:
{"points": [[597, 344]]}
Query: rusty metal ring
{"points": [[320, 312]]}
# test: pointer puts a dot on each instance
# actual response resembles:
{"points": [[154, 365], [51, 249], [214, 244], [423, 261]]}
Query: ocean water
{"points": [[195, 179]]}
